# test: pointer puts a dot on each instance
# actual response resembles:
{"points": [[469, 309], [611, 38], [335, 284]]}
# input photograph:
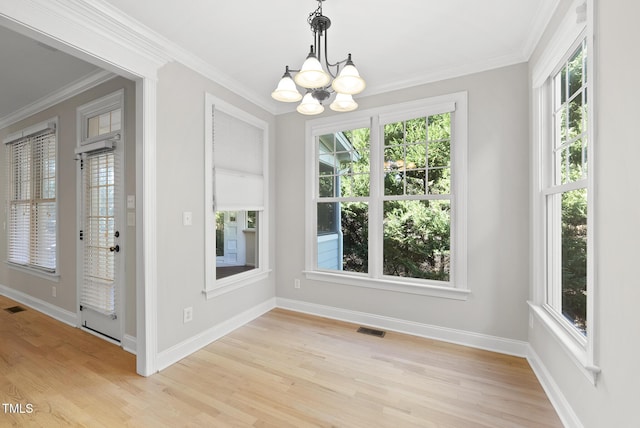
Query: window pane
{"points": [[574, 257], [417, 239], [116, 120], [328, 218], [439, 181], [236, 242], [413, 164], [574, 71], [326, 186], [345, 248], [576, 124], [416, 130], [416, 182], [104, 123], [440, 127], [93, 127], [345, 154], [439, 153]]}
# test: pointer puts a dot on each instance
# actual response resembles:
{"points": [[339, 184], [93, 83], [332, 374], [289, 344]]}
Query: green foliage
{"points": [[416, 233], [574, 257], [573, 167], [355, 226], [416, 239]]}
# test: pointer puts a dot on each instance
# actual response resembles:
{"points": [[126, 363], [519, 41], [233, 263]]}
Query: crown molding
{"points": [[540, 22], [87, 82], [91, 30], [99, 13], [449, 73]]}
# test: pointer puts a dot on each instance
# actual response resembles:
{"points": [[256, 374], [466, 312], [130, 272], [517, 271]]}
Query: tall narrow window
{"points": [[32, 236], [563, 294], [567, 192]]}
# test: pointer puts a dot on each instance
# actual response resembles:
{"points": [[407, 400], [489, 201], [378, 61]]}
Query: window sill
{"points": [[575, 350], [50, 276], [235, 282], [390, 285]]}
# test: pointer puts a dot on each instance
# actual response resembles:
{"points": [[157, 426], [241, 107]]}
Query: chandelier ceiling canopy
{"points": [[341, 78]]}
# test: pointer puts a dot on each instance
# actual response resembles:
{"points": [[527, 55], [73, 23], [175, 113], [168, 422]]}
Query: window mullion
{"points": [[376, 189]]}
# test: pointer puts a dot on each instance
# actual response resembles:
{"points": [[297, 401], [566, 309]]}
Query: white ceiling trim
{"points": [[540, 23], [99, 19], [100, 36], [103, 13], [87, 82]]}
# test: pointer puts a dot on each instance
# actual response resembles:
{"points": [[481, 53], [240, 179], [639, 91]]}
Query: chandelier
{"points": [[318, 82]]}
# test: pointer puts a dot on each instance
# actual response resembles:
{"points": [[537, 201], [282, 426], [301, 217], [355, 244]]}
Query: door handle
{"points": [[115, 249]]}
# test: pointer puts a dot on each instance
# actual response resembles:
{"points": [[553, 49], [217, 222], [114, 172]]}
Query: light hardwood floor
{"points": [[282, 370]]}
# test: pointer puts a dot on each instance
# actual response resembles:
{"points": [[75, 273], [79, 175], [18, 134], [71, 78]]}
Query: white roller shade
{"points": [[237, 163]]}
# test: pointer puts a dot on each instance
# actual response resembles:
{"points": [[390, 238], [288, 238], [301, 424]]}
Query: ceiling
{"points": [[31, 71], [395, 44]]}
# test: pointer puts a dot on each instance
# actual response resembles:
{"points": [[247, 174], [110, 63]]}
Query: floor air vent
{"points": [[371, 331], [15, 309]]}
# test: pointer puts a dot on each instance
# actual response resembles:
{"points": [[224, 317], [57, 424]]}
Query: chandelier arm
{"points": [[336, 64]]}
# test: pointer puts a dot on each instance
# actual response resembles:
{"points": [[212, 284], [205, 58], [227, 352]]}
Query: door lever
{"points": [[115, 249]]}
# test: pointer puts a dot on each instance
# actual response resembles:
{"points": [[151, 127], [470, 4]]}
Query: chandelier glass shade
{"points": [[320, 82]]}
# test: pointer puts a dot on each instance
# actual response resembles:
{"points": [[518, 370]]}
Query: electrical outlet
{"points": [[187, 314], [54, 292], [296, 283]]}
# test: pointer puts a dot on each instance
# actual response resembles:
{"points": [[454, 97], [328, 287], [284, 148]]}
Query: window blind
{"points": [[99, 232], [32, 200], [237, 164]]}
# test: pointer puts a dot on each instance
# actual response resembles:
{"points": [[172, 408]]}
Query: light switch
{"points": [[131, 219], [187, 218], [131, 202]]}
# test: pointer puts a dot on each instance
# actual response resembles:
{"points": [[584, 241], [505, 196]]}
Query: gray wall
{"points": [[180, 184], [613, 402], [66, 288], [498, 213]]}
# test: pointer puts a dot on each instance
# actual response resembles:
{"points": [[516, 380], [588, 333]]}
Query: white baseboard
{"points": [[130, 344], [46, 308], [460, 337], [558, 401], [195, 343]]}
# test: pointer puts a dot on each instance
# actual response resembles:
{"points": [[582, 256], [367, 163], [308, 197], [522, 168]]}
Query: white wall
{"points": [[613, 402], [498, 213], [180, 184]]}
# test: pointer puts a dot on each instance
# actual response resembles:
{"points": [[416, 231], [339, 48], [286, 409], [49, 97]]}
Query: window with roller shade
{"points": [[32, 203], [236, 147]]}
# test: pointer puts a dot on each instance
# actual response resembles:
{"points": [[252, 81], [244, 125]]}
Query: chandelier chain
{"points": [[315, 13]]}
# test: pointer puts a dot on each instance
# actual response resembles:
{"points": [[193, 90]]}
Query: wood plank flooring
{"points": [[284, 369]]}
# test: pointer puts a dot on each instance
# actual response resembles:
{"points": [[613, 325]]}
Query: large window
{"points": [[32, 216], [563, 239], [388, 204], [236, 186], [567, 192]]}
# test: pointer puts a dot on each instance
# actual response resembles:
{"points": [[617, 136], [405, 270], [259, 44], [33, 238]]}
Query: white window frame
{"points": [[576, 27], [456, 103], [105, 104], [53, 274], [213, 286]]}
